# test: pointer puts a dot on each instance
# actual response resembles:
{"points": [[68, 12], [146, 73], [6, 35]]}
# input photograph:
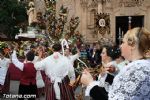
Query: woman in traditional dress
{"points": [[57, 69], [40, 75], [133, 81], [107, 70]]}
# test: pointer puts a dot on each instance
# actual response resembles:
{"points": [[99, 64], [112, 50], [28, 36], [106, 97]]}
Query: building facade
{"points": [[104, 19], [123, 14]]}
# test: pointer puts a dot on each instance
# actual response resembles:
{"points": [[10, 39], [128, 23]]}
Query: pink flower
{"points": [[56, 56]]}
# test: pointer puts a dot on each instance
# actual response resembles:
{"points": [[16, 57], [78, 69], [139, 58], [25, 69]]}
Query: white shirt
{"points": [[101, 79], [56, 67], [16, 62], [72, 58], [4, 65], [4, 62], [53, 66], [19, 64], [36, 58]]}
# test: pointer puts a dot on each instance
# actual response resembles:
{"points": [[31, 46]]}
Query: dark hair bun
{"points": [[113, 51]]}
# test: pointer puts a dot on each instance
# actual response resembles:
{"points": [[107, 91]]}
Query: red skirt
{"points": [[66, 91]]}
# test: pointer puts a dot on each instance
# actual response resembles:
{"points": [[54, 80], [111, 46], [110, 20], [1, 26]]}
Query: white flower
{"points": [[116, 86], [125, 79], [120, 96], [138, 66], [130, 87], [147, 69]]}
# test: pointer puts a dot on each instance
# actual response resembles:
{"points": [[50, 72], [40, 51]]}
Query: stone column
{"points": [[147, 18], [100, 7], [84, 18]]}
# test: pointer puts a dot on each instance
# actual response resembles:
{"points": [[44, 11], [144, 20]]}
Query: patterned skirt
{"points": [[66, 90]]}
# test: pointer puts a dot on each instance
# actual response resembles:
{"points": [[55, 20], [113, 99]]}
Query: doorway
{"points": [[122, 25]]}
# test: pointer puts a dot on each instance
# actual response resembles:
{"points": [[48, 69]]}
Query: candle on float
{"points": [[122, 34], [119, 31]]}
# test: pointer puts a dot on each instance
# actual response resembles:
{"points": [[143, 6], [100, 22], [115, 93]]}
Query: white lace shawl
{"points": [[132, 83]]}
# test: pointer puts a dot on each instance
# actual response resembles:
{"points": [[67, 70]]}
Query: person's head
{"points": [[110, 53], [32, 47], [30, 56], [94, 49], [40, 48], [67, 52], [56, 47], [82, 47], [135, 43]]}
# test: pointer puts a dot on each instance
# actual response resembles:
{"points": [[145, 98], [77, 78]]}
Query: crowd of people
{"points": [[123, 70]]}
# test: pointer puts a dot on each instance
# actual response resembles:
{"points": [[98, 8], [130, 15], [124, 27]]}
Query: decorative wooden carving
{"points": [[130, 3], [102, 23]]}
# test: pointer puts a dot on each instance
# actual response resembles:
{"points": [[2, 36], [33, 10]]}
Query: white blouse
{"points": [[132, 83], [56, 67], [4, 65], [72, 58]]}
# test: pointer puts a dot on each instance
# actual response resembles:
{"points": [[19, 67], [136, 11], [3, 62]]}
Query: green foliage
{"points": [[57, 26], [3, 45], [12, 15]]}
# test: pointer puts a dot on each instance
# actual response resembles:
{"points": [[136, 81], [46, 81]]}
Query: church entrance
{"points": [[122, 25]]}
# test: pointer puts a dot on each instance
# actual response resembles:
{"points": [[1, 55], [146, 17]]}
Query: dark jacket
{"points": [[99, 93]]}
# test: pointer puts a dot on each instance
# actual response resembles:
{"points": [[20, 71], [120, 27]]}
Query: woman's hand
{"points": [[72, 82], [86, 77], [111, 69]]}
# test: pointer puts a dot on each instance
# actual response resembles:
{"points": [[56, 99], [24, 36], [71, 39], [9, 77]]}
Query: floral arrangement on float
{"points": [[4, 47]]}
